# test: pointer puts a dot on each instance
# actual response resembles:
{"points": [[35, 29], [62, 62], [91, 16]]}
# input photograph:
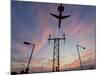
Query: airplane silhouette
{"points": [[60, 17]]}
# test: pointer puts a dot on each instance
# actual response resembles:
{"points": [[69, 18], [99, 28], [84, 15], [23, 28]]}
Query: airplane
{"points": [[60, 17]]}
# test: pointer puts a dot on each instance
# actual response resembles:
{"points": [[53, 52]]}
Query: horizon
{"points": [[31, 22]]}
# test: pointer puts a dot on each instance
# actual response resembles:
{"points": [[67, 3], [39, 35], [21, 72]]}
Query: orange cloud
{"points": [[87, 57], [89, 52], [74, 64]]}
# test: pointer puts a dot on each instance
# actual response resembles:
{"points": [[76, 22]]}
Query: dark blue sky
{"points": [[30, 21]]}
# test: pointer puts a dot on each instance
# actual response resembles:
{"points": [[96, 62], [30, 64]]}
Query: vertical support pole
{"points": [[27, 69], [79, 58], [53, 67], [58, 56]]}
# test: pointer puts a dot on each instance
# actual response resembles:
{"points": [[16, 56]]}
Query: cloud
{"points": [[43, 27], [88, 53], [78, 26], [19, 47], [87, 57], [83, 29], [74, 64]]}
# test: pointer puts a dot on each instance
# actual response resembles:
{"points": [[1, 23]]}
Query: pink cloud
{"points": [[74, 64], [36, 62], [85, 57], [79, 28], [20, 47], [88, 53], [88, 42], [44, 28]]}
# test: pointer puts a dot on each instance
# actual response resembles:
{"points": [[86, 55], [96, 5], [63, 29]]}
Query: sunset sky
{"points": [[31, 22]]}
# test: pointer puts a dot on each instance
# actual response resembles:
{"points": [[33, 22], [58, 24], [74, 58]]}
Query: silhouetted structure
{"points": [[56, 62], [60, 16], [79, 55], [27, 69]]}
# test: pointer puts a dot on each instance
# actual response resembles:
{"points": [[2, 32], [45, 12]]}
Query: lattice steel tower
{"points": [[56, 59], [56, 55]]}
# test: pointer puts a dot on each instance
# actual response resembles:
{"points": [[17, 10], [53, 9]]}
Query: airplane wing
{"points": [[63, 17], [55, 15]]}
